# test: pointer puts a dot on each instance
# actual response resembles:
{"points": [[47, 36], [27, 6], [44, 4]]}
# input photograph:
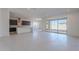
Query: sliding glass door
{"points": [[53, 26], [62, 28], [58, 25]]}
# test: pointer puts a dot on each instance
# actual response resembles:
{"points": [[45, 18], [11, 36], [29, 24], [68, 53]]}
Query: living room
{"points": [[39, 24]]}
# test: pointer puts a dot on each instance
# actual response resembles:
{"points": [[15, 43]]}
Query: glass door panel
{"points": [[62, 26], [53, 25], [58, 25]]}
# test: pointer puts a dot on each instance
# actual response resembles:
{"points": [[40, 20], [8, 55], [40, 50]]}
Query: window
{"points": [[47, 25], [58, 25], [53, 26], [62, 26]]}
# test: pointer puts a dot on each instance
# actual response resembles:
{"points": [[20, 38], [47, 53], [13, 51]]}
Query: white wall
{"points": [[4, 22], [73, 24]]}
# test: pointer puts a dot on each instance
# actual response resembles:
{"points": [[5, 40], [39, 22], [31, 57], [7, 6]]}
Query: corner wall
{"points": [[73, 24], [4, 22]]}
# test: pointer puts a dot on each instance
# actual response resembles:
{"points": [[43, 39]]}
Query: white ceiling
{"points": [[19, 12], [40, 12]]}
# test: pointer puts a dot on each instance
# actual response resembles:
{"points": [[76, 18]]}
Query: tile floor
{"points": [[39, 41]]}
